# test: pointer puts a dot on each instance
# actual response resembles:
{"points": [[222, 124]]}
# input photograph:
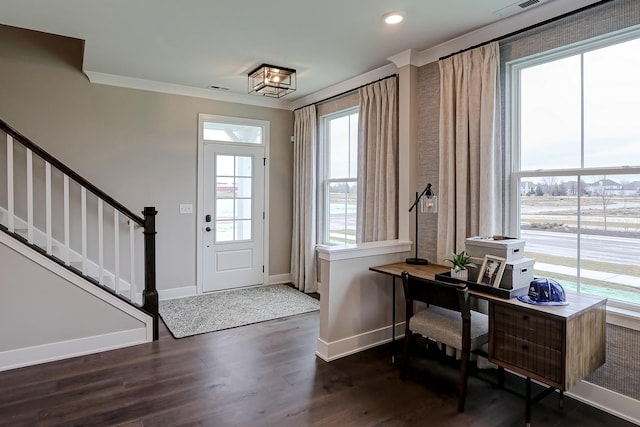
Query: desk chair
{"points": [[446, 319]]}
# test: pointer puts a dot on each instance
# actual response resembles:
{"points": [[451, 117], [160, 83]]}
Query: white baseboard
{"points": [[606, 400], [29, 356], [173, 293], [277, 279], [329, 351]]}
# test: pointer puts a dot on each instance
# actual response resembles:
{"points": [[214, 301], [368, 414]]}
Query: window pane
{"points": [[224, 187], [243, 209], [612, 105], [228, 132], [339, 147], [548, 225], [244, 165], [224, 209], [550, 129], [224, 165], [610, 236], [343, 211], [224, 231], [353, 146], [243, 230], [243, 187]]}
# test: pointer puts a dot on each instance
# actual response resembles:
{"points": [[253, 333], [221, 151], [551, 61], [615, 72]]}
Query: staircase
{"points": [[59, 220]]}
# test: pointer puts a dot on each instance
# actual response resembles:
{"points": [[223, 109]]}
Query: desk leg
{"points": [[393, 323], [527, 416]]}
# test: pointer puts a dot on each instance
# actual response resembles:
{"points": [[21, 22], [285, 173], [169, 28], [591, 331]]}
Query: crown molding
{"points": [[175, 89], [500, 28], [407, 57], [345, 86]]}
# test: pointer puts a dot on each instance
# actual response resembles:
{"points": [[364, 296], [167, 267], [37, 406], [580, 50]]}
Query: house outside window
{"points": [[575, 177], [338, 168]]}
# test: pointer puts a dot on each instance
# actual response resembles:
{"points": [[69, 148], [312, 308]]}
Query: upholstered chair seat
{"points": [[445, 326]]}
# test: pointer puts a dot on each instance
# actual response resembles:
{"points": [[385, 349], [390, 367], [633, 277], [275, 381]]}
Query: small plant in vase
{"points": [[460, 261]]}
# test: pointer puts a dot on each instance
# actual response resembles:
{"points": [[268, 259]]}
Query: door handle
{"points": [[208, 229]]}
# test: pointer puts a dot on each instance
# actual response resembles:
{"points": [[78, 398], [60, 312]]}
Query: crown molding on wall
{"points": [[345, 86], [175, 89], [407, 57], [500, 28]]}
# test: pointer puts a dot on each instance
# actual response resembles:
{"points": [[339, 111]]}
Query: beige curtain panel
{"points": [[470, 196], [378, 162], [303, 241]]}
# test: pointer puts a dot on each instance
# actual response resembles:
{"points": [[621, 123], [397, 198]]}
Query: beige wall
{"points": [[30, 312], [139, 147]]}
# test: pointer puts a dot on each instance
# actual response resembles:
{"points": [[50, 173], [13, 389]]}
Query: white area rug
{"points": [[229, 309]]}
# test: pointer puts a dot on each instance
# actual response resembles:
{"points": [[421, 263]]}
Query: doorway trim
{"points": [[199, 222]]}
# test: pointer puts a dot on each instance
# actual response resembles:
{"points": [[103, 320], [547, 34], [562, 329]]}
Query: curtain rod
{"points": [[530, 27], [346, 92]]}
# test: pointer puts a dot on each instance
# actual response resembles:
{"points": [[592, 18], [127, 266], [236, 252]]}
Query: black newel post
{"points": [[150, 294]]}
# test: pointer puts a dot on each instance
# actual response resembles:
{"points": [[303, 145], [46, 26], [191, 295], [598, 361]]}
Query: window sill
{"points": [[626, 317]]}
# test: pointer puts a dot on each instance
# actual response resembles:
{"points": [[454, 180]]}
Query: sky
{"points": [[551, 117]]}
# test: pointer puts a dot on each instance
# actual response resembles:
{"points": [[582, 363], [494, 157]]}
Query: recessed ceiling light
{"points": [[393, 18]]}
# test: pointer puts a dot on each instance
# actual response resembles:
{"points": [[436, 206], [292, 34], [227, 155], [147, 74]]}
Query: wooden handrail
{"points": [[70, 173]]}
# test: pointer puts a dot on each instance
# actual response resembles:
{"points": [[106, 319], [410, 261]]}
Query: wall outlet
{"points": [[186, 208]]}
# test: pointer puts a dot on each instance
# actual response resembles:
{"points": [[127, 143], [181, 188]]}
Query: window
{"points": [[338, 177], [576, 166], [231, 132]]}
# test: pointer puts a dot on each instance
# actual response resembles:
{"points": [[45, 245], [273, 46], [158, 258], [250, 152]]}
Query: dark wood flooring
{"points": [[263, 375]]}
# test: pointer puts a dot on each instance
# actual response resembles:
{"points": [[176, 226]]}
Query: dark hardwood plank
{"points": [[263, 375]]}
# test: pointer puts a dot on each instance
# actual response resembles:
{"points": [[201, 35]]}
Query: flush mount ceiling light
{"points": [[269, 80], [393, 18]]}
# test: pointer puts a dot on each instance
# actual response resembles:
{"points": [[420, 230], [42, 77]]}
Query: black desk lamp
{"points": [[430, 207]]}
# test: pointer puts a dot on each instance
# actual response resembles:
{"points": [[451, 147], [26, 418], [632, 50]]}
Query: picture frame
{"points": [[491, 271]]}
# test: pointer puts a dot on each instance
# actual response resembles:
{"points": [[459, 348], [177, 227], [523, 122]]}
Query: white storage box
{"points": [[517, 273], [509, 249]]}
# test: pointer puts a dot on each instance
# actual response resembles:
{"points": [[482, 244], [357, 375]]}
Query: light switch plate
{"points": [[186, 208]]}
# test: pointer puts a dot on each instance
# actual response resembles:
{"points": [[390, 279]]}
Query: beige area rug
{"points": [[229, 309]]}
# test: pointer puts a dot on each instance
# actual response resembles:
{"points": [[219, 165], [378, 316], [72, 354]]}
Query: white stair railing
{"points": [[39, 210]]}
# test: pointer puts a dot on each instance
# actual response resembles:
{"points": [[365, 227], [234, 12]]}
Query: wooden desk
{"points": [[555, 345]]}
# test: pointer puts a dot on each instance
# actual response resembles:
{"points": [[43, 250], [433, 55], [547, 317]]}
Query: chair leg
{"points": [[408, 336], [462, 386]]}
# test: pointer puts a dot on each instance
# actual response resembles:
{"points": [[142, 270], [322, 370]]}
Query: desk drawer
{"points": [[531, 327], [537, 359]]}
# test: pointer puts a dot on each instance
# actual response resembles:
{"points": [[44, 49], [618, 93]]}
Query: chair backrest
{"points": [[451, 296]]}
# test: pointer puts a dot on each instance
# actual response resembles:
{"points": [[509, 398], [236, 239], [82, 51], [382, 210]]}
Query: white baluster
{"points": [[83, 210], [29, 196], [116, 244], [67, 250], [47, 174], [100, 242], [10, 205], [132, 256]]}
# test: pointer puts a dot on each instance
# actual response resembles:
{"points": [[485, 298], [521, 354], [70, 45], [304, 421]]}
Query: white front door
{"points": [[233, 220]]}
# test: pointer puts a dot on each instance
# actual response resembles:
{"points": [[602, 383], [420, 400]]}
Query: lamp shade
{"points": [[273, 81]]}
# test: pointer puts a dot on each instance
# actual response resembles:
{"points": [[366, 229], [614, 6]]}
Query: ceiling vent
{"points": [[518, 7]]}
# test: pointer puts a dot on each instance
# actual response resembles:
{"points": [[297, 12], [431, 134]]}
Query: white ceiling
{"points": [[189, 45]]}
